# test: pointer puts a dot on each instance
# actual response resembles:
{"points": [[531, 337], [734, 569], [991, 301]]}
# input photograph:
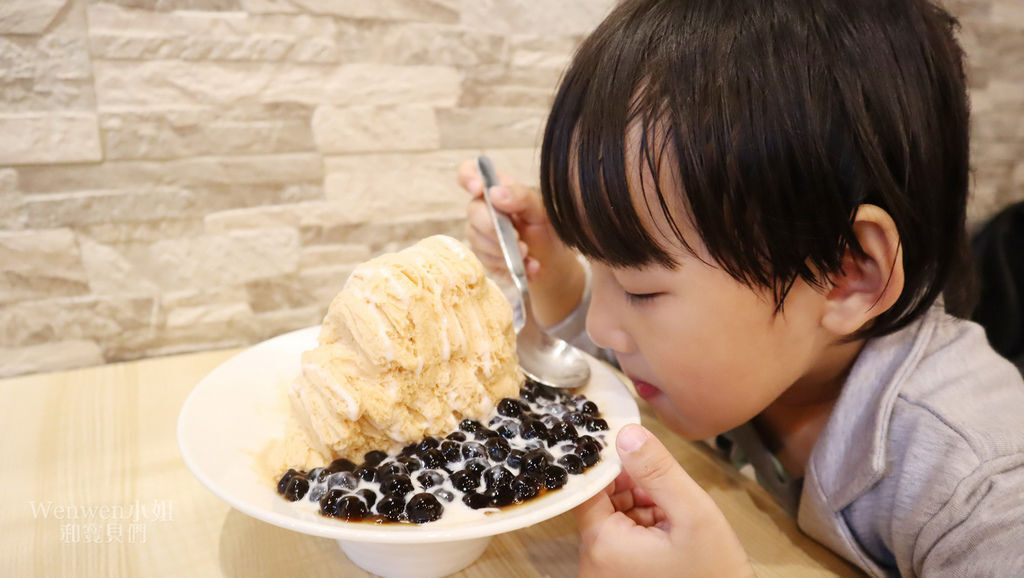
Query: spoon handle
{"points": [[503, 225]]}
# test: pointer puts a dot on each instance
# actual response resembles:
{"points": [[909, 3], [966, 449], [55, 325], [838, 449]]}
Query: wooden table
{"points": [[93, 485]]}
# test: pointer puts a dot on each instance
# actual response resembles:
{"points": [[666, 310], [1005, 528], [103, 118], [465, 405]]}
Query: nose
{"points": [[603, 325]]}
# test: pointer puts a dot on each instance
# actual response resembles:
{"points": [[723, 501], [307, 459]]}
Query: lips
{"points": [[645, 390]]}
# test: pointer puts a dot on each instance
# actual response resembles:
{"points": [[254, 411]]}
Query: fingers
{"points": [[469, 178], [657, 473], [592, 514]]}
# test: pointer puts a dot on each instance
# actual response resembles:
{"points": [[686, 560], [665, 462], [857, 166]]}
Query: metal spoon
{"points": [[543, 357]]}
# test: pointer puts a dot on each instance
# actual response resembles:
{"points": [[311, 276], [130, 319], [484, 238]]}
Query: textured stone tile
{"points": [[110, 272], [204, 295], [194, 132], [49, 138], [193, 173], [396, 185], [116, 33], [381, 236], [89, 317], [155, 83], [285, 292], [97, 207], [11, 201], [566, 17], [510, 87], [235, 258], [168, 5], [28, 16], [419, 44], [208, 315], [420, 10], [54, 356], [491, 127], [332, 255], [144, 232], [324, 283], [522, 164], [38, 264], [273, 323], [375, 128]]}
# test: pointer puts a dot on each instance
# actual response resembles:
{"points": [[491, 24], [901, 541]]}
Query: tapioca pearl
{"points": [[575, 418], [588, 407], [476, 500], [317, 475], [533, 429], [535, 461], [527, 395], [451, 450], [596, 424], [549, 420], [510, 407], [282, 484], [501, 496], [477, 465], [296, 488], [345, 507], [340, 465], [366, 473], [572, 463], [589, 452], [470, 425], [373, 458], [429, 479], [498, 476], [329, 502], [456, 436], [533, 445], [497, 449], [392, 507], [473, 450], [494, 421], [432, 459], [396, 484], [443, 494], [465, 480], [509, 429], [389, 469], [525, 487], [423, 507], [345, 480], [484, 434], [368, 496], [555, 477], [563, 431], [514, 458], [316, 492], [586, 438]]}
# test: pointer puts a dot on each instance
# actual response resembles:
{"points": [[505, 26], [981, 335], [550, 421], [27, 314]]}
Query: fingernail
{"points": [[499, 193], [474, 184], [631, 438]]}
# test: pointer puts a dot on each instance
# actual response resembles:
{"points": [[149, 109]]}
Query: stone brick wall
{"points": [[179, 175]]}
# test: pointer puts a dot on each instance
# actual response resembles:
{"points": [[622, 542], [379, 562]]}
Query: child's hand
{"points": [[556, 278], [655, 520]]}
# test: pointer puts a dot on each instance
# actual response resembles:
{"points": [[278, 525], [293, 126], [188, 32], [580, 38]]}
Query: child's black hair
{"points": [[782, 117]]}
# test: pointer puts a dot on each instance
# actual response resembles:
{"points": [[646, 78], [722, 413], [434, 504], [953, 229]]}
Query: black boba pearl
{"points": [[497, 449], [330, 502], [590, 440], [596, 424], [563, 431], [368, 496], [501, 496], [477, 465], [456, 436], [524, 487], [509, 430], [430, 478], [340, 465], [408, 450], [317, 475], [548, 393], [465, 480], [366, 473], [345, 480], [423, 507], [533, 445], [451, 451], [428, 443], [514, 459], [575, 418], [535, 461], [589, 452], [555, 477], [510, 407], [373, 458], [527, 394], [391, 469], [444, 495], [317, 492], [534, 429], [397, 484], [472, 450], [469, 425], [411, 463], [432, 458], [589, 408], [476, 500], [572, 463], [282, 484], [296, 489], [392, 507], [497, 477], [549, 420], [494, 421]]}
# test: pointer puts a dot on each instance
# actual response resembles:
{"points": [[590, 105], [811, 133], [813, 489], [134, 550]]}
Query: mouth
{"points": [[645, 390]]}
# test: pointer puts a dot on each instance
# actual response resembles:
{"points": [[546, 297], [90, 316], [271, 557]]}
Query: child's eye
{"points": [[637, 298]]}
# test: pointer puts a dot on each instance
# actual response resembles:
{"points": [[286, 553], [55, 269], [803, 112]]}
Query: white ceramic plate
{"points": [[240, 406]]}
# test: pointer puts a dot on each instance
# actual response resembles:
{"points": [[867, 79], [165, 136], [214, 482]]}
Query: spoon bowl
{"points": [[543, 357]]}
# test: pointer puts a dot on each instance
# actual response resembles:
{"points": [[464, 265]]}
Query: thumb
{"points": [[655, 471], [519, 200]]}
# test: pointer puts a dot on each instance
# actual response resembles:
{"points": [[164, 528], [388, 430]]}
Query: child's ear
{"points": [[869, 284]]}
